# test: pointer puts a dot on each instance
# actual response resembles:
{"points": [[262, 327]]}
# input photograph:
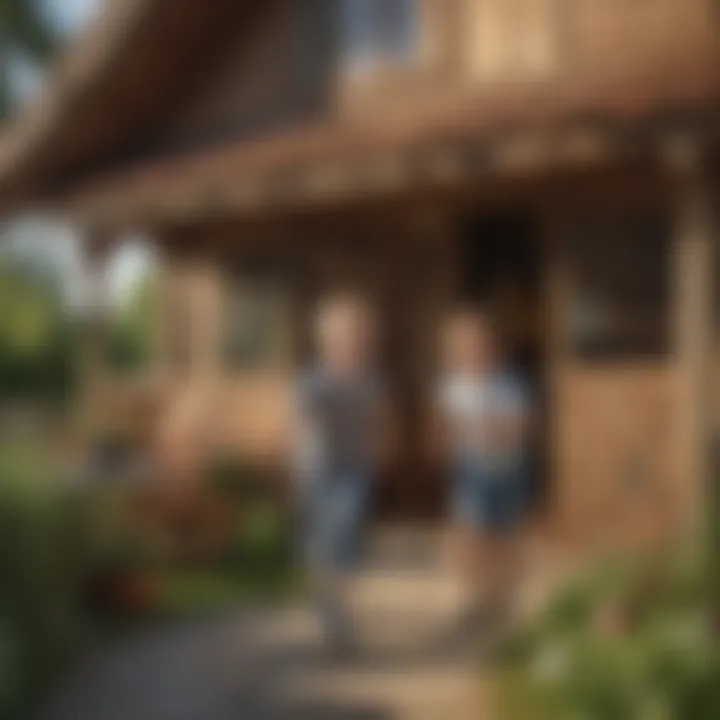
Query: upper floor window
{"points": [[379, 32]]}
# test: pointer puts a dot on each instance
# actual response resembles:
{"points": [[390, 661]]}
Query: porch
{"points": [[604, 282]]}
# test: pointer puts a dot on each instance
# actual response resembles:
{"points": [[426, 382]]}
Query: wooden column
{"points": [[92, 357], [97, 306], [173, 340], [694, 274], [206, 317], [159, 341], [557, 301], [191, 317]]}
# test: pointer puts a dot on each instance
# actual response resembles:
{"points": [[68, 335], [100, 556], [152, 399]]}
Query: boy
{"points": [[482, 422], [339, 426]]}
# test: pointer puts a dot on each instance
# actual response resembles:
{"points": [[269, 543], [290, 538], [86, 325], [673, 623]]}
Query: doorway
{"points": [[501, 258]]}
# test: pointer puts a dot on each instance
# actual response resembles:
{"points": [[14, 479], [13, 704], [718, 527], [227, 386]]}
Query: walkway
{"points": [[270, 663]]}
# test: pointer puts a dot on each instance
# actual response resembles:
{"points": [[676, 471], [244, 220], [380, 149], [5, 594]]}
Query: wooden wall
{"points": [[402, 262], [285, 69], [277, 72], [623, 435], [617, 466]]}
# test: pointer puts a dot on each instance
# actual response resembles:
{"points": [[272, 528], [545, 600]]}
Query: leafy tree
{"points": [[36, 336], [132, 327], [24, 32]]}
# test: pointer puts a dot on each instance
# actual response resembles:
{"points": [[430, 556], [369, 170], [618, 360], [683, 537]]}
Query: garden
{"points": [[81, 560], [628, 640]]}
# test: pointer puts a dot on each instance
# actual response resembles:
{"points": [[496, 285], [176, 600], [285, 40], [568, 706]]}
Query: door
{"points": [[502, 270]]}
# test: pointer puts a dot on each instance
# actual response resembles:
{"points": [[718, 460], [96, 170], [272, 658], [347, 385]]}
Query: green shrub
{"points": [[240, 480], [626, 641], [260, 548], [41, 571]]}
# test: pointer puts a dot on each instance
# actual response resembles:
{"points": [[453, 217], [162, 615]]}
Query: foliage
{"points": [[23, 32], [132, 327], [75, 557], [256, 563], [238, 479], [260, 551], [626, 641], [37, 339], [41, 570]]}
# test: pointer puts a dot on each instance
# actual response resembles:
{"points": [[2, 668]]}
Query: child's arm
{"points": [[385, 433], [438, 432], [436, 436], [297, 412], [514, 422]]}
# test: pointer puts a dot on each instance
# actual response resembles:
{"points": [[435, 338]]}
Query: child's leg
{"points": [[487, 567], [470, 567], [337, 524], [502, 567], [331, 596]]}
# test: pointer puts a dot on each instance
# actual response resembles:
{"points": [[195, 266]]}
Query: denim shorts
{"points": [[332, 517], [488, 499]]}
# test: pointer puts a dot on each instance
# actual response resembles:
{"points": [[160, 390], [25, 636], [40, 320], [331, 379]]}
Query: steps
{"points": [[403, 598]]}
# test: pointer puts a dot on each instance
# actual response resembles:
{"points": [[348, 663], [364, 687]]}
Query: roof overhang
{"points": [[519, 131], [134, 62]]}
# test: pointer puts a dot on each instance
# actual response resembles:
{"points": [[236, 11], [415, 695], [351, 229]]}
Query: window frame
{"points": [[270, 298], [617, 347], [368, 48]]}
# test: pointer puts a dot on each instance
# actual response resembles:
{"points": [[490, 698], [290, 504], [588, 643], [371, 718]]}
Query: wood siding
{"points": [[284, 70], [276, 73], [618, 457]]}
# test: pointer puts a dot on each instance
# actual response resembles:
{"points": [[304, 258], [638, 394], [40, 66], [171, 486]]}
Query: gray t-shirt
{"points": [[337, 419]]}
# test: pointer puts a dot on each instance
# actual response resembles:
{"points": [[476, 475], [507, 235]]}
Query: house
{"points": [[558, 158]]}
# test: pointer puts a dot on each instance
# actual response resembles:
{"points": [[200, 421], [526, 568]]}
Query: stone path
{"points": [[270, 663]]}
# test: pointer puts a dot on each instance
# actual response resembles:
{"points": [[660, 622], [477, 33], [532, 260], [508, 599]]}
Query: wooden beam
{"points": [[695, 244]]}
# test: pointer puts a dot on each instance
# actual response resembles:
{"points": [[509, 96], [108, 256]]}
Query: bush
{"points": [[69, 555], [260, 549], [41, 571], [625, 642], [241, 481]]}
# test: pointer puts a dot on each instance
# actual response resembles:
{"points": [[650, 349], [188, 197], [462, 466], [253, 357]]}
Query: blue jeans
{"points": [[333, 511], [488, 498]]}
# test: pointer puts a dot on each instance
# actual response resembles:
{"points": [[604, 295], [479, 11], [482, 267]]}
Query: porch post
{"points": [[188, 340], [206, 317], [694, 247], [92, 353], [160, 337], [558, 300]]}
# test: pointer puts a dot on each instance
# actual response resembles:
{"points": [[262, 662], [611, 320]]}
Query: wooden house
{"points": [[558, 157]]}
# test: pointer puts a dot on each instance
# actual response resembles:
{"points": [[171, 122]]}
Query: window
{"points": [[379, 32], [619, 267], [255, 327]]}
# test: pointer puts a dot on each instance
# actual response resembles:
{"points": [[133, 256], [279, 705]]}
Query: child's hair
{"points": [[471, 318], [340, 307]]}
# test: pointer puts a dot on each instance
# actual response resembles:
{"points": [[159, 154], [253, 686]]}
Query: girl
{"points": [[482, 417]]}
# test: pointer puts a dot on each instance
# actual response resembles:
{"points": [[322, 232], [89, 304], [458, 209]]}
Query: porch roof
{"points": [[132, 64], [132, 68], [518, 129]]}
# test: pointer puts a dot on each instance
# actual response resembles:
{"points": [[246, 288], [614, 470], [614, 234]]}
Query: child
{"points": [[338, 431], [482, 422]]}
